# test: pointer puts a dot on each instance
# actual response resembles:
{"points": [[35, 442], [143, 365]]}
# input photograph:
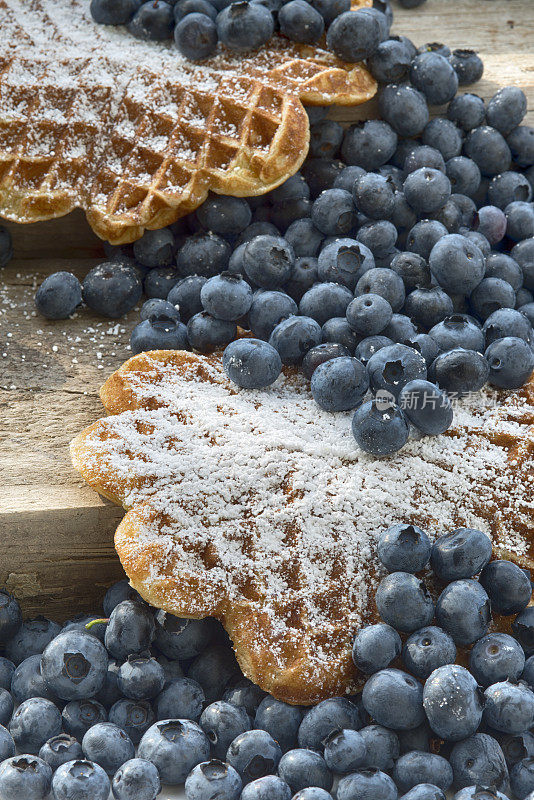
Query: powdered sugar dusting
{"points": [[288, 508]]}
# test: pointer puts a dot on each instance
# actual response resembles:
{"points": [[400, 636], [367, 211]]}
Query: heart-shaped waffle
{"points": [[137, 135], [258, 508]]}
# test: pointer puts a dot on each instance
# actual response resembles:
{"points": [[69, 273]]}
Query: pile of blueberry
{"points": [[139, 697], [197, 26], [396, 269]]}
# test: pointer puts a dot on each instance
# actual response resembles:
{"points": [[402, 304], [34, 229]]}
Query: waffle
{"points": [[258, 508], [135, 134]]}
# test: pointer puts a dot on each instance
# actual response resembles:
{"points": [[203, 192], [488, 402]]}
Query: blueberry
{"points": [[280, 720], [509, 707], [418, 738], [301, 768], [374, 196], [479, 793], [7, 745], [224, 215], [270, 787], [366, 784], [368, 145], [181, 638], [107, 745], [467, 111], [119, 591], [213, 779], [157, 308], [60, 749], [26, 777], [354, 35], [394, 699], [27, 681], [304, 238], [30, 638], [519, 217], [111, 289], [521, 144], [426, 406], [268, 261], [393, 367], [369, 314], [375, 647], [294, 336], [339, 384], [384, 282], [523, 253], [421, 157], [59, 295], [380, 237], [153, 21], [111, 12], [251, 363], [184, 7], [80, 715], [344, 261], [322, 720], [80, 779], [245, 695], [522, 778], [460, 371], [382, 747], [345, 751], [468, 66], [426, 650], [333, 211], [205, 333], [222, 723], [380, 431], [466, 206], [425, 345], [503, 266], [254, 754], [257, 228], [423, 791], [516, 748], [131, 629], [523, 630], [391, 61], [300, 22], [136, 779], [403, 602], [33, 723], [204, 254], [506, 109], [109, 693], [511, 362], [435, 47], [463, 610], [416, 767], [479, 760], [404, 548], [456, 331], [141, 677], [336, 330], [496, 657], [226, 296], [369, 346], [488, 149], [134, 717], [433, 75], [213, 669], [74, 665], [463, 174], [452, 702], [10, 622], [457, 264], [7, 668], [412, 268], [507, 188], [400, 328], [158, 333], [508, 587], [195, 36], [444, 136], [244, 26], [490, 295], [155, 248]]}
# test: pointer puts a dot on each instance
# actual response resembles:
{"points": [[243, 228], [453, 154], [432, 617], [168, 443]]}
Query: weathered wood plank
{"points": [[56, 533]]}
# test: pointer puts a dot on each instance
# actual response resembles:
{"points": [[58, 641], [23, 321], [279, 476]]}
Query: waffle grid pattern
{"points": [[136, 135], [258, 509]]}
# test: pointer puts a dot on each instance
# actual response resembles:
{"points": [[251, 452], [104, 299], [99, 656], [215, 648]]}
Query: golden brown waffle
{"points": [[137, 135], [257, 507]]}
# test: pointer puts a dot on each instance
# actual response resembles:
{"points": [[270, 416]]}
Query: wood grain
{"points": [[57, 534]]}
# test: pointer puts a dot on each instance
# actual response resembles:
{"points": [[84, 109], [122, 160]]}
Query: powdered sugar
{"points": [[288, 508]]}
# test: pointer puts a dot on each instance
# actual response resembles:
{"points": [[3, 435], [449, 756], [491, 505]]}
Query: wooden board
{"points": [[57, 534]]}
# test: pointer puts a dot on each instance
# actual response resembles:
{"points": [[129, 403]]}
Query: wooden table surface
{"points": [[57, 534]]}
